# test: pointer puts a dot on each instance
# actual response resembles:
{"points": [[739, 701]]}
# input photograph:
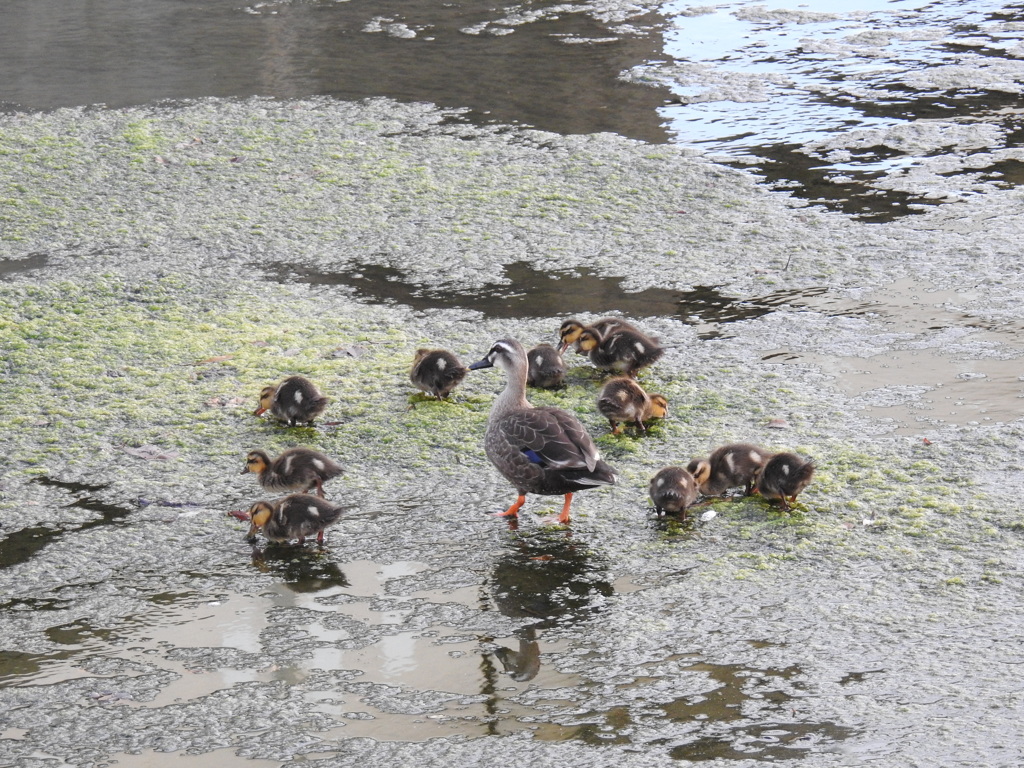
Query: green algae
{"points": [[95, 367], [105, 355]]}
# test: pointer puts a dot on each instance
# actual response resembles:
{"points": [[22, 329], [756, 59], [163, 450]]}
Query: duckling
{"points": [[293, 517], [783, 476], [547, 371], [621, 399], [619, 350], [539, 450], [727, 467], [296, 469], [672, 490], [293, 400], [437, 372], [571, 329]]}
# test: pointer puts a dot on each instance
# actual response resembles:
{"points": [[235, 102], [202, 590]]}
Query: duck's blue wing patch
{"points": [[533, 456]]}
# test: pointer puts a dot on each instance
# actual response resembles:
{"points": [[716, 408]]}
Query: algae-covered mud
{"points": [[879, 621]]}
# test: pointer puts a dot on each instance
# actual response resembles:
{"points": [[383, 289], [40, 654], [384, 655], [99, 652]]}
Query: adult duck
{"points": [[546, 451]]}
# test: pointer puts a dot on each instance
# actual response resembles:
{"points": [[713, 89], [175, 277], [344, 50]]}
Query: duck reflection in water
{"points": [[549, 580], [299, 569]]}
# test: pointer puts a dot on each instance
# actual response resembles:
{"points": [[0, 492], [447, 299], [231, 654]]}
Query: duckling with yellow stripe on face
{"points": [[619, 350], [294, 400], [296, 469], [622, 400], [728, 466], [569, 332], [293, 517]]}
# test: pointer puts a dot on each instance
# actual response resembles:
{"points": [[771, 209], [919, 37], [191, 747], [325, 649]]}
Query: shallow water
{"points": [[839, 103], [151, 633], [943, 386]]}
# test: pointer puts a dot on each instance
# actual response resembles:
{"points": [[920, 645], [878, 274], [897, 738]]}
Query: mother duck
{"points": [[539, 450]]}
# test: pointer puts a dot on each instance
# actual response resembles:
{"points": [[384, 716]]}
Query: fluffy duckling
{"points": [[570, 331], [437, 372], [783, 476], [296, 469], [672, 490], [539, 450], [621, 399], [547, 371], [294, 400], [293, 517], [619, 350], [728, 467]]}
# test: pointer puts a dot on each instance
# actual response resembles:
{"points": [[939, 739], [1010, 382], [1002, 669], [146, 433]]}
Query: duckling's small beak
{"points": [[259, 411], [485, 363], [253, 530], [245, 470]]}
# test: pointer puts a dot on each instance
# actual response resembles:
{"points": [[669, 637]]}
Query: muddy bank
{"points": [[141, 314]]}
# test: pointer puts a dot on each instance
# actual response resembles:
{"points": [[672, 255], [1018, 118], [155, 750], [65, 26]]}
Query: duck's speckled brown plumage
{"points": [[672, 490], [783, 477], [547, 369], [539, 450], [293, 517], [728, 466], [294, 400], [437, 372], [296, 469]]}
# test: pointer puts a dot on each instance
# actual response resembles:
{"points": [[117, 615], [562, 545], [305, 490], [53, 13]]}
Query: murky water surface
{"points": [[943, 385], [841, 103], [875, 109]]}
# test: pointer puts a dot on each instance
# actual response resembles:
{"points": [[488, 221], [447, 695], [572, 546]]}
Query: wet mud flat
{"points": [[142, 310]]}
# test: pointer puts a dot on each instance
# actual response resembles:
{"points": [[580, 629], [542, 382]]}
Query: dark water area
{"points": [[22, 545], [417, 623], [528, 292], [120, 53], [816, 98], [18, 266]]}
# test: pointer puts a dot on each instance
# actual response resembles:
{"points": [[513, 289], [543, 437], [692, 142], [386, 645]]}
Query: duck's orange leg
{"points": [[563, 519], [514, 509]]}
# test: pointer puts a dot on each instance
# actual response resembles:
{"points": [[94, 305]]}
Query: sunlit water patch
{"points": [[855, 104], [363, 661]]}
